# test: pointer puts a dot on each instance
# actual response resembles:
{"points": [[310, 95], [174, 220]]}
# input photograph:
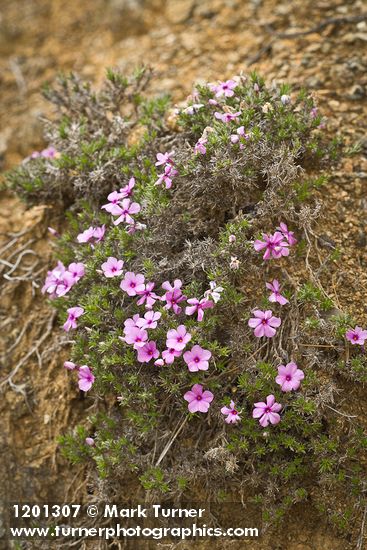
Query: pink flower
{"points": [[356, 336], [198, 306], [289, 235], [150, 320], [86, 235], [73, 314], [226, 117], [236, 138], [197, 359], [69, 365], [113, 202], [164, 158], [289, 377], [274, 245], [113, 267], [53, 232], [225, 88], [200, 146], [199, 400], [174, 295], [132, 284], [148, 296], [275, 296], [65, 285], [86, 378], [170, 354], [126, 211], [232, 239], [147, 352], [234, 263], [77, 270], [159, 362], [98, 233], [231, 413], [177, 339], [89, 441], [166, 177], [134, 322], [135, 336], [267, 412], [264, 323], [127, 191]]}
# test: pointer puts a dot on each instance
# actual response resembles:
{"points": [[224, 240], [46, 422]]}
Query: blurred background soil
{"points": [[186, 41]]}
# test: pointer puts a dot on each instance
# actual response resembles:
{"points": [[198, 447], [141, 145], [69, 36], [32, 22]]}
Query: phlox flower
{"points": [[134, 322], [356, 335], [289, 235], [199, 400], [125, 211], [135, 336], [53, 232], [267, 412], [73, 314], [148, 352], [164, 158], [232, 239], [150, 320], [197, 359], [112, 267], [275, 246], [200, 146], [76, 270], [214, 292], [132, 283], [226, 117], [69, 365], [264, 323], [289, 377], [159, 362], [275, 295], [65, 285], [236, 138], [136, 226], [193, 109], [173, 295], [231, 413], [225, 88], [147, 296], [86, 378], [96, 233], [170, 354], [178, 338], [198, 306], [234, 263], [127, 191], [113, 202], [166, 177], [89, 441], [86, 235], [213, 102]]}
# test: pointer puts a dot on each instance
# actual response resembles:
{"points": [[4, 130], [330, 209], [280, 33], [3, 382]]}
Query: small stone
{"points": [[356, 92], [179, 11]]}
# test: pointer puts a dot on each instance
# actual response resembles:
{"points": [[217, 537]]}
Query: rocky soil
{"points": [[185, 41]]}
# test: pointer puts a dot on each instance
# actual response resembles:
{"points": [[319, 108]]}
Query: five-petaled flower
{"points": [[231, 413], [197, 359], [112, 267], [275, 246], [135, 336], [356, 335], [150, 320], [73, 314], [275, 295], [173, 295], [289, 377], [132, 283], [126, 211], [264, 323], [147, 296], [226, 117], [147, 352], [178, 338], [198, 306], [199, 400], [86, 378], [225, 88], [289, 235], [267, 412]]}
